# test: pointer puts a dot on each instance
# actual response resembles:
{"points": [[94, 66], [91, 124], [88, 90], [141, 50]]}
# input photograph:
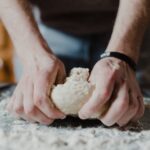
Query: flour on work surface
{"points": [[17, 134]]}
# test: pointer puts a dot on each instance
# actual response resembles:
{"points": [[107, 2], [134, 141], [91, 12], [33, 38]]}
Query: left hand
{"points": [[30, 100], [117, 86]]}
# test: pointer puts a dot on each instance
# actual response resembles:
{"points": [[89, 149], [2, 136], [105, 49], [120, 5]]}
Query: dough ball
{"points": [[74, 93]]}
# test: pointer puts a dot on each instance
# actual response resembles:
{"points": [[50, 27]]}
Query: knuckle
{"points": [[107, 123], [30, 111], [123, 104], [134, 105], [104, 94], [91, 111], [39, 101], [18, 109], [54, 62], [112, 75], [46, 121]]}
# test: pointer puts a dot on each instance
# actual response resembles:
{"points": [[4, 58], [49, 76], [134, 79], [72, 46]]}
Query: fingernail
{"points": [[47, 121], [63, 117], [82, 116]]}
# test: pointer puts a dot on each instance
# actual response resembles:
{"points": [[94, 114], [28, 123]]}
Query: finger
{"points": [[12, 99], [141, 109], [18, 99], [42, 99], [118, 107], [61, 75], [140, 99], [10, 106], [18, 104], [37, 116], [17, 91], [31, 112], [23, 116], [133, 108], [98, 99]]}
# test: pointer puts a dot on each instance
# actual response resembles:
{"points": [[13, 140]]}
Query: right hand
{"points": [[31, 98], [117, 90]]}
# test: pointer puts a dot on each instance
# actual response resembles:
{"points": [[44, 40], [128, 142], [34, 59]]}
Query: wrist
{"points": [[33, 49], [36, 56], [132, 52], [43, 61], [121, 57]]}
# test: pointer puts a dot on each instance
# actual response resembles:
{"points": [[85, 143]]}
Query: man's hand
{"points": [[41, 68], [115, 85], [115, 82], [31, 100]]}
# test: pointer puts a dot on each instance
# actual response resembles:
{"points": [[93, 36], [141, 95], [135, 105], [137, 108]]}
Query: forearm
{"points": [[18, 20], [129, 28]]}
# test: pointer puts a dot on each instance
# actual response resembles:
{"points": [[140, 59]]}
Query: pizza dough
{"points": [[72, 95]]}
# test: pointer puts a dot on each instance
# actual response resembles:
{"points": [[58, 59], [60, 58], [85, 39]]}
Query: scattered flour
{"points": [[21, 135]]}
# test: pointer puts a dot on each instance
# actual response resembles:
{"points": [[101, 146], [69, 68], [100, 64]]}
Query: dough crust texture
{"points": [[74, 93]]}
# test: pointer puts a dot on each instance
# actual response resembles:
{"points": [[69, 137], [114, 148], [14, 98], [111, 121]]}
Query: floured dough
{"points": [[70, 96], [74, 93]]}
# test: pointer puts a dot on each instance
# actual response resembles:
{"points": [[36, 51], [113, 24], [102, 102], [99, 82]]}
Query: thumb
{"points": [[61, 75], [99, 98]]}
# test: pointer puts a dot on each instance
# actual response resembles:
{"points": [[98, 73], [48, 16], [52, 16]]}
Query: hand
{"points": [[116, 85], [31, 100]]}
